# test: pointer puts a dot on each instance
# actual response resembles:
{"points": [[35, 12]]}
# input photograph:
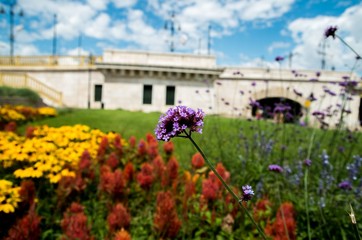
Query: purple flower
{"points": [[346, 185], [253, 84], [241, 92], [177, 120], [275, 168], [248, 193], [307, 162], [318, 74], [254, 103], [279, 58], [330, 32]]}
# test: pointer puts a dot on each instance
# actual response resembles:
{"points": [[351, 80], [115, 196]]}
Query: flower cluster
{"points": [[177, 120], [248, 193], [275, 168], [9, 196]]}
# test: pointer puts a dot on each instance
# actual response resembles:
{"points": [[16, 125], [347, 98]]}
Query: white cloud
{"points": [[98, 4], [278, 45], [307, 33], [78, 51], [124, 3]]}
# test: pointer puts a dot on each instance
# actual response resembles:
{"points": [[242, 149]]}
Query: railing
{"points": [[49, 61], [24, 80]]}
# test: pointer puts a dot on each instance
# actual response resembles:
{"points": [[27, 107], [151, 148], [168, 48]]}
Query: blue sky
{"points": [[243, 32]]}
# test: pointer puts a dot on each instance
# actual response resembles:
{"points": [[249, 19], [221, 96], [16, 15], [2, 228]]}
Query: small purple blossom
{"points": [[253, 84], [248, 193], [345, 185], [330, 32], [279, 58], [307, 162], [254, 103], [318, 74], [177, 120], [275, 168]]}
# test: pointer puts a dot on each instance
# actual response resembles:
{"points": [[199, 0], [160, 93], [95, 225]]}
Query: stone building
{"points": [[147, 81]]}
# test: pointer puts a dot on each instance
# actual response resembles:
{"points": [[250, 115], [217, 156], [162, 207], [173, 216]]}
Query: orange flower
{"points": [[168, 147], [118, 218], [145, 178], [166, 221], [197, 161], [26, 228], [74, 223], [277, 229], [122, 235], [132, 141], [112, 160]]}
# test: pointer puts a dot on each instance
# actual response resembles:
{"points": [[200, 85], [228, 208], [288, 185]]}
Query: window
{"points": [[147, 94], [98, 93], [170, 95]]}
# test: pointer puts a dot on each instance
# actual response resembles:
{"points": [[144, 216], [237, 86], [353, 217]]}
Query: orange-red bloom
{"points": [[197, 161], [118, 218], [166, 221]]}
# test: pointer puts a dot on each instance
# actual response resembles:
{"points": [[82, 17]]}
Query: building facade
{"points": [[145, 81]]}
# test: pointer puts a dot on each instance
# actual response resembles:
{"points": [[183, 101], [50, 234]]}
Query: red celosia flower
{"points": [[102, 147], [277, 229], [26, 228], [260, 208], [153, 148], [172, 168], [132, 141], [158, 167], [118, 218], [10, 127], [85, 161], [171, 174], [197, 161], [118, 144], [142, 147], [222, 171], [166, 221], [128, 172], [145, 177], [210, 189], [74, 223], [112, 160], [27, 192], [150, 138], [29, 132], [168, 147], [112, 182], [122, 235]]}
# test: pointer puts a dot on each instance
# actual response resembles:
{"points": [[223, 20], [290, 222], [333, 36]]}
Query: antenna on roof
{"points": [[209, 40], [170, 24]]}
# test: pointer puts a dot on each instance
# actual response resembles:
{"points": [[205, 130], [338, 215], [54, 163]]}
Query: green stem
{"points": [[306, 199], [345, 43], [282, 211], [261, 232]]}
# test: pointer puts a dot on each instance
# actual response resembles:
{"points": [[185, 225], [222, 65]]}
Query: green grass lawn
{"points": [[223, 139]]}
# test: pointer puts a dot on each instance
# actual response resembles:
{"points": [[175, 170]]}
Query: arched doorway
{"points": [[290, 111]]}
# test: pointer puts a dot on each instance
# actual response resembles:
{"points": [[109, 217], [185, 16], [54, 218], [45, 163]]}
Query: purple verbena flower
{"points": [[275, 168], [345, 185], [279, 58], [248, 193], [307, 162], [330, 32], [177, 120]]}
